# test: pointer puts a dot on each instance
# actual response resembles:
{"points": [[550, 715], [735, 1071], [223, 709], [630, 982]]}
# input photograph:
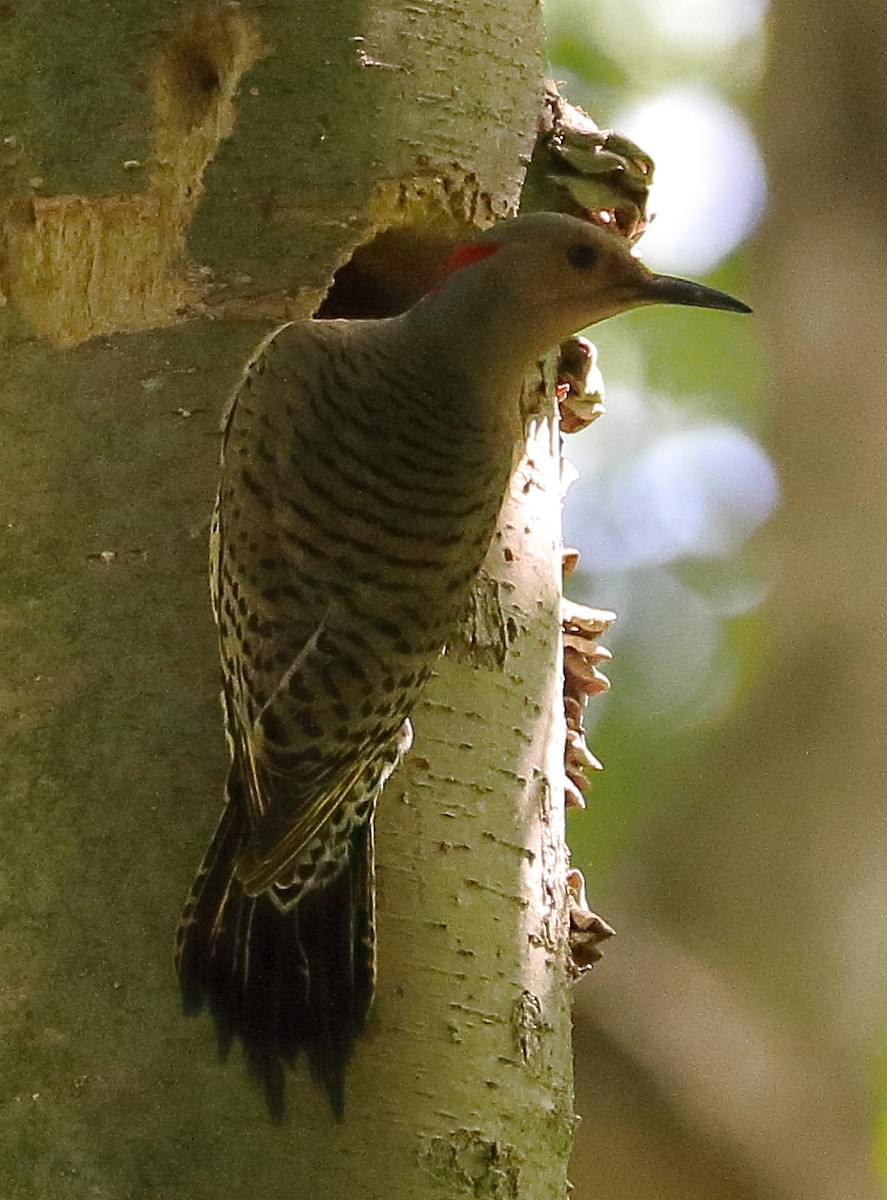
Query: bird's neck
{"points": [[475, 335]]}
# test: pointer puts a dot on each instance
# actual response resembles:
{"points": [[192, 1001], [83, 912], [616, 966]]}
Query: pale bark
{"points": [[142, 186]]}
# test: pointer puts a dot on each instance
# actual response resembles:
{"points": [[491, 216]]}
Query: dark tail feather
{"points": [[280, 982]]}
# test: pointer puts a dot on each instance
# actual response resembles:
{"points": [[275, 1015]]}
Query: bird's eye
{"points": [[582, 255]]}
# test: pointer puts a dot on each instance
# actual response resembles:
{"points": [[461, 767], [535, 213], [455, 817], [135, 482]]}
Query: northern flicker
{"points": [[364, 464]]}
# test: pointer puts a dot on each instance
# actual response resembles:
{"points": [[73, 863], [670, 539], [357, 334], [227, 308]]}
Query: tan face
{"points": [[575, 274], [520, 288]]}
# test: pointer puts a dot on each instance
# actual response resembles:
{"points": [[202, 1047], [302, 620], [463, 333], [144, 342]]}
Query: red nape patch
{"points": [[466, 254]]}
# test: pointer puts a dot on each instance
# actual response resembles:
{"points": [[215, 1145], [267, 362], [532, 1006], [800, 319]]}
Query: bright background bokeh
{"points": [[732, 1043], [675, 481]]}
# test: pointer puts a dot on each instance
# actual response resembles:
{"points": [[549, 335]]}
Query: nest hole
{"points": [[388, 274]]}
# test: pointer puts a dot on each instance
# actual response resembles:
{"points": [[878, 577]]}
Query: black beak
{"points": [[666, 289]]}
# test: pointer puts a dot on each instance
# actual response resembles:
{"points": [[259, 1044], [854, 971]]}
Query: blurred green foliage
{"points": [[611, 57]]}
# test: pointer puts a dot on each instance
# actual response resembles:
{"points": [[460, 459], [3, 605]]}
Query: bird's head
{"points": [[531, 282]]}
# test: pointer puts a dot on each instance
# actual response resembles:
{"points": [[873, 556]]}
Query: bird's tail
{"points": [[280, 981]]}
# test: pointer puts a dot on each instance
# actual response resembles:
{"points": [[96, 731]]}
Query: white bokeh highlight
{"points": [[703, 25], [657, 485], [709, 188]]}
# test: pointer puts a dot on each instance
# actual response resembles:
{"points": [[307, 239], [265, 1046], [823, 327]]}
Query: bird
{"points": [[363, 466]]}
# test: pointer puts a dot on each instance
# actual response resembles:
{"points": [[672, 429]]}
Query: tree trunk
{"points": [[171, 174]]}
